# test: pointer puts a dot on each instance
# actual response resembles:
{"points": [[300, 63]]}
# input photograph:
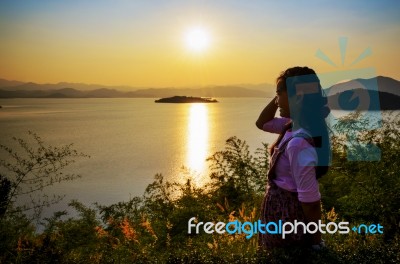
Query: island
{"points": [[186, 99]]}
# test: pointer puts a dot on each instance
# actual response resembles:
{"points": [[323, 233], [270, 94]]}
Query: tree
{"points": [[28, 169], [366, 190], [236, 174]]}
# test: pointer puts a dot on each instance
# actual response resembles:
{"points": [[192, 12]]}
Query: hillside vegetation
{"points": [[154, 227]]}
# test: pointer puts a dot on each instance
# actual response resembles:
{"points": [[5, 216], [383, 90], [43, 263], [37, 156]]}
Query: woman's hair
{"points": [[313, 110]]}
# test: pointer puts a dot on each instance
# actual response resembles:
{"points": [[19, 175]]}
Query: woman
{"points": [[298, 157]]}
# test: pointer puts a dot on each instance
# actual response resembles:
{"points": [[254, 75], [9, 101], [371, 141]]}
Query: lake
{"points": [[130, 140]]}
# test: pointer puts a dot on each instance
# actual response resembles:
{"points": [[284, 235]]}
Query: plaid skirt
{"points": [[279, 204]]}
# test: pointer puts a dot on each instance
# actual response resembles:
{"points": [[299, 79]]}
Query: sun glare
{"points": [[197, 137], [197, 39]]}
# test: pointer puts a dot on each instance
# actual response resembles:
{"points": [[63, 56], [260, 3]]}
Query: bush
{"points": [[153, 228]]}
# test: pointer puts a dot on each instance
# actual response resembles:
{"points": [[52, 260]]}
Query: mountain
{"points": [[341, 94], [212, 91], [360, 99], [15, 89], [384, 84], [217, 91], [31, 86], [360, 93], [7, 83], [388, 85], [9, 89], [265, 87]]}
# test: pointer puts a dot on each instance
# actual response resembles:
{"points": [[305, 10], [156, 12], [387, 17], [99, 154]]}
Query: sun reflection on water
{"points": [[197, 146]]}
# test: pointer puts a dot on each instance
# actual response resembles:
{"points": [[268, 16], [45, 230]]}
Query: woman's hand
{"points": [[312, 213], [267, 114]]}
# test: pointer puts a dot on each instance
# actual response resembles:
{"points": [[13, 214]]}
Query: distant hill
{"points": [[342, 93], [269, 88], [213, 91], [31, 86], [7, 83], [16, 89], [250, 90], [217, 91], [357, 94], [347, 101], [384, 84]]}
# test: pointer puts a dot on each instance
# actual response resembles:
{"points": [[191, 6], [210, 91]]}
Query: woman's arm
{"points": [[312, 213], [267, 114], [303, 159]]}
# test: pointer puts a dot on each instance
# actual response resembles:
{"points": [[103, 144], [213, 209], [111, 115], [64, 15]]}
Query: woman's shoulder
{"points": [[300, 139]]}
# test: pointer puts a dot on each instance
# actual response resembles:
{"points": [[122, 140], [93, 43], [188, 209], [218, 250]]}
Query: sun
{"points": [[197, 39]]}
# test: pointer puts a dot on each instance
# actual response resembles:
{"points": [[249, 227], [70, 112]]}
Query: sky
{"points": [[143, 43]]}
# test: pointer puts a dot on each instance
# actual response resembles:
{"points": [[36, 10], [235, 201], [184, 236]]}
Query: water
{"points": [[130, 140]]}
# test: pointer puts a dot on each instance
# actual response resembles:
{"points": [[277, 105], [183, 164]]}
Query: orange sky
{"points": [[141, 43]]}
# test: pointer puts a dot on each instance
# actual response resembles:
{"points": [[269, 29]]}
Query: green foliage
{"points": [[153, 228], [31, 169], [237, 175], [16, 230], [366, 190]]}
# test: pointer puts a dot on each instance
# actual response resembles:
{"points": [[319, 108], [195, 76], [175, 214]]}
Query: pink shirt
{"points": [[294, 169]]}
